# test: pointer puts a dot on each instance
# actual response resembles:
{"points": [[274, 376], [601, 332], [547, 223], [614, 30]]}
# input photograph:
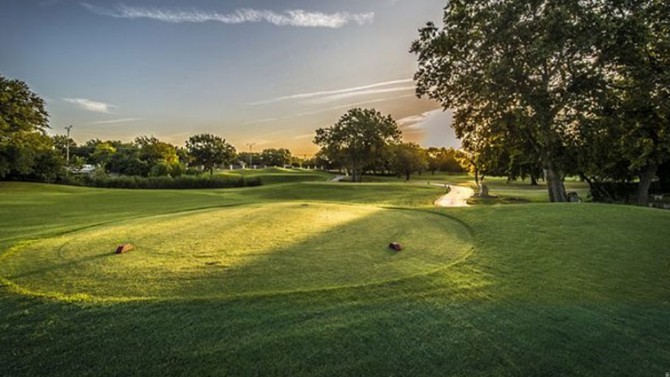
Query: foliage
{"points": [[162, 181], [514, 69], [275, 157], [25, 150], [154, 151], [209, 151], [358, 139], [21, 110], [444, 160], [636, 114], [408, 158]]}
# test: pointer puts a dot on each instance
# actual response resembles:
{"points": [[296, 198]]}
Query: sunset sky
{"points": [[264, 72]]}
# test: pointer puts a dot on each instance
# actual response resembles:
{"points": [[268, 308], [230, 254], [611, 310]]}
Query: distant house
{"points": [[85, 169]]}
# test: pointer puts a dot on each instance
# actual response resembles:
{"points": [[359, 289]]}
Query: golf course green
{"points": [[238, 250], [295, 278]]}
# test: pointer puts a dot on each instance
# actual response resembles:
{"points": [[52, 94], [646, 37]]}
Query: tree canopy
{"points": [[209, 151], [25, 150], [569, 87], [358, 139]]}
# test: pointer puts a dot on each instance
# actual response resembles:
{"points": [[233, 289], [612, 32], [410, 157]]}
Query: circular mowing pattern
{"points": [[238, 250]]}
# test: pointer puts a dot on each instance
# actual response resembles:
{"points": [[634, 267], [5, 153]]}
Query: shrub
{"points": [[160, 169], [164, 182]]}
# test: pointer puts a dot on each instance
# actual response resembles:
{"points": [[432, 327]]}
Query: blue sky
{"points": [[264, 72]]}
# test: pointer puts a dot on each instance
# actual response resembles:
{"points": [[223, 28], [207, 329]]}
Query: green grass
{"points": [[271, 176], [549, 289], [512, 192], [240, 250]]}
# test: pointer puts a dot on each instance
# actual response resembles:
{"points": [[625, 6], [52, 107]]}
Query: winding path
{"points": [[457, 196]]}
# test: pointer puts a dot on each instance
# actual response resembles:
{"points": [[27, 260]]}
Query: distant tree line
{"points": [[365, 141], [549, 89], [28, 153]]}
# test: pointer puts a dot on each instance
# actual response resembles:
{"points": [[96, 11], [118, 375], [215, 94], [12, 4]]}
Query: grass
{"points": [[271, 176], [240, 250], [505, 192], [550, 289]]}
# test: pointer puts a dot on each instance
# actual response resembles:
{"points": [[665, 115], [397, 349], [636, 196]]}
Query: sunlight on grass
{"points": [[238, 250]]}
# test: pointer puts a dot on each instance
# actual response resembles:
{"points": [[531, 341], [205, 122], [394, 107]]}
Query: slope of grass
{"points": [[271, 176], [239, 250], [550, 289]]}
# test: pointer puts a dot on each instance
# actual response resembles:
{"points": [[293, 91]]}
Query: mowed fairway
{"points": [[295, 279], [248, 249]]}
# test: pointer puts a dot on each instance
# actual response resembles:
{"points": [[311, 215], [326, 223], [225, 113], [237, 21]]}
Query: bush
{"points": [[166, 182], [160, 169]]}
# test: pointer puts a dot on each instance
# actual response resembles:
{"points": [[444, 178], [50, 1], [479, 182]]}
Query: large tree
{"points": [[408, 158], [636, 49], [209, 151], [357, 140], [513, 68], [275, 157], [25, 150]]}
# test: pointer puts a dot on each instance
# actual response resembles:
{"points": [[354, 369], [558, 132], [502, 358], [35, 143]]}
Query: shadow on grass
{"points": [[69, 264], [351, 254]]}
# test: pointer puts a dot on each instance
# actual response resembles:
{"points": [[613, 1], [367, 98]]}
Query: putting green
{"points": [[238, 250]]}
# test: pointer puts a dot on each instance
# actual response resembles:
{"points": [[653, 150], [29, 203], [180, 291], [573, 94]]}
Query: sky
{"points": [[260, 72]]}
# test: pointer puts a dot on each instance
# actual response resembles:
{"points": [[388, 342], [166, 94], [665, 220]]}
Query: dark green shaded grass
{"points": [[271, 176], [551, 289]]}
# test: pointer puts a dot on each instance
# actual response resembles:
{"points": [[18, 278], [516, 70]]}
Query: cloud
{"points": [[354, 104], [337, 97], [304, 136], [415, 121], [296, 18], [331, 93], [114, 121], [87, 104]]}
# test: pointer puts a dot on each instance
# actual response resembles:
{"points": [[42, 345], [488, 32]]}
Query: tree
{"points": [[208, 151], [25, 150], [103, 153], [636, 49], [526, 69], [357, 140], [275, 157], [61, 143], [408, 158], [154, 151], [21, 110], [444, 159]]}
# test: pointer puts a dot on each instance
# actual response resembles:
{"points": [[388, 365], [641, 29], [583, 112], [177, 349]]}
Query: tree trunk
{"points": [[533, 180], [642, 195], [356, 175], [554, 184], [407, 174]]}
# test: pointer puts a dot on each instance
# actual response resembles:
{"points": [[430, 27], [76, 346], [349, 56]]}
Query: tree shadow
{"points": [[351, 254]]}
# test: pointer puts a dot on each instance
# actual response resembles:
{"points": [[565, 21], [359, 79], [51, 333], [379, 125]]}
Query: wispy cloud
{"points": [[353, 104], [337, 97], [304, 136], [114, 121], [297, 18], [327, 109], [90, 105], [331, 93], [414, 122]]}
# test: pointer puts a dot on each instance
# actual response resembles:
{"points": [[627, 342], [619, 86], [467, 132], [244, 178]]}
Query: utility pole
{"points": [[250, 145], [67, 145]]}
